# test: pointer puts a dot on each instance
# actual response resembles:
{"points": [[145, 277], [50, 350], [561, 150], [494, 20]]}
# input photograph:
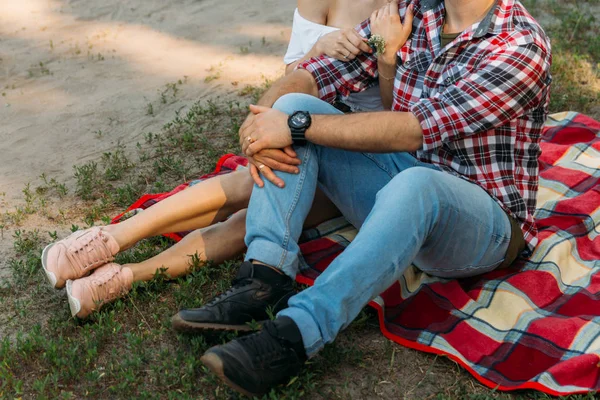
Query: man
{"points": [[446, 181]]}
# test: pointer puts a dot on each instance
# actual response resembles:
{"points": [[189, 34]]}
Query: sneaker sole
{"points": [[74, 304], [181, 325], [50, 275], [215, 364]]}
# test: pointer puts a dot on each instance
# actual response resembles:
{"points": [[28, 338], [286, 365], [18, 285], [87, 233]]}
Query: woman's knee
{"points": [[237, 187]]}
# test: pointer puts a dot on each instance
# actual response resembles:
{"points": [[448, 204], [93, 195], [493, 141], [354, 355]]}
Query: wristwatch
{"points": [[298, 123]]}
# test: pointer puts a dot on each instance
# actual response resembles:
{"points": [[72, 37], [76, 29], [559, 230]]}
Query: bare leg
{"points": [[219, 242], [197, 207], [322, 210]]}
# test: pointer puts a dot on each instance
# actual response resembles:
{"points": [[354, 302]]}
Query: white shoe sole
{"points": [[50, 275], [74, 304]]}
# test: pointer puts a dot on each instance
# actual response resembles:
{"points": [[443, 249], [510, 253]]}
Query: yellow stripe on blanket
{"points": [[571, 270], [547, 195], [504, 310], [588, 161]]}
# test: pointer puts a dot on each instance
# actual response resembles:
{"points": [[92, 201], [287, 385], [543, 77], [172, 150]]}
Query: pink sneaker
{"points": [[104, 285], [77, 255]]}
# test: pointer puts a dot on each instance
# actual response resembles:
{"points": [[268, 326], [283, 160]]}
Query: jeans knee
{"points": [[291, 102]]}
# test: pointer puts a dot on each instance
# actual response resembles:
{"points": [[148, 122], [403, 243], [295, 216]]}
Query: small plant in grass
{"points": [[88, 180], [60, 188], [214, 73], [26, 265], [150, 109], [29, 199], [116, 164], [37, 70]]}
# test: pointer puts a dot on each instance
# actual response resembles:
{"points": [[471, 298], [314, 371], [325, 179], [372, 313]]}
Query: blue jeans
{"points": [[406, 211]]}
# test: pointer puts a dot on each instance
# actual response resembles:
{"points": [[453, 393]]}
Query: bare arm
{"points": [[386, 23], [387, 74], [377, 132], [299, 81]]}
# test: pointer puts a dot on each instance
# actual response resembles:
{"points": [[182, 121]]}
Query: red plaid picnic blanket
{"points": [[535, 325]]}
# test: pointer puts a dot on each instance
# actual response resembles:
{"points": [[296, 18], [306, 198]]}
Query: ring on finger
{"points": [[249, 139], [261, 166], [346, 56]]}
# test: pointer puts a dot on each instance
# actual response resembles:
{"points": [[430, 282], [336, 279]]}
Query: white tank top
{"points": [[305, 34]]}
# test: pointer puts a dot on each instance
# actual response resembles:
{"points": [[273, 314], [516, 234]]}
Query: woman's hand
{"points": [[268, 160], [343, 45], [386, 23]]}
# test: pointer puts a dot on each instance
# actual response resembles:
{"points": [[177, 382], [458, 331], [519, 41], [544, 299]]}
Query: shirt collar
{"points": [[497, 20]]}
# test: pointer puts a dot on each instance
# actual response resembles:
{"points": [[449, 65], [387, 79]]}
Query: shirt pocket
{"points": [[419, 61]]}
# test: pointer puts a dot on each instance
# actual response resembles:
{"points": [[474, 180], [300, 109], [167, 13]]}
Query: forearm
{"points": [[380, 132], [299, 81], [387, 73]]}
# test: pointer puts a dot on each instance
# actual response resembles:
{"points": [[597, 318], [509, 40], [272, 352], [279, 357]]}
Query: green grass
{"points": [[128, 349], [575, 37]]}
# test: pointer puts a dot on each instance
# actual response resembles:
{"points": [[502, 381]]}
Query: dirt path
{"points": [[77, 77]]}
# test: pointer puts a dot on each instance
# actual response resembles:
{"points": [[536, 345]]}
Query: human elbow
{"points": [[411, 136], [410, 142], [305, 82]]}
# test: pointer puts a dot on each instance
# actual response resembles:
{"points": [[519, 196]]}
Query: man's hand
{"points": [[265, 161], [267, 130]]}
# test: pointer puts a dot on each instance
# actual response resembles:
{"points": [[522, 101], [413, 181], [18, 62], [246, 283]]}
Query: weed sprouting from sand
{"points": [[38, 70], [214, 73], [88, 180], [59, 188], [150, 109], [116, 163]]}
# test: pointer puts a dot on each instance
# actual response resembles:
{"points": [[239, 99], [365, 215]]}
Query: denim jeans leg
{"points": [[276, 215], [445, 225]]}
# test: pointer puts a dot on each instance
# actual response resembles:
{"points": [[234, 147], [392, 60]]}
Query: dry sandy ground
{"points": [[76, 76]]}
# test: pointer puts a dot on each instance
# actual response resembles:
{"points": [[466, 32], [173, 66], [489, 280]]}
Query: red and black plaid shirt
{"points": [[481, 101]]}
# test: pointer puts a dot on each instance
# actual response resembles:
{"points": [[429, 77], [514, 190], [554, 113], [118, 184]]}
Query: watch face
{"points": [[299, 120]]}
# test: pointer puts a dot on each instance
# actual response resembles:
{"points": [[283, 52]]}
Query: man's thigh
{"points": [[470, 232], [352, 179]]}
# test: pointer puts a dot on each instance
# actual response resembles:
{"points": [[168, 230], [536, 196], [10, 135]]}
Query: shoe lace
{"points": [[105, 284], [235, 285], [81, 256]]}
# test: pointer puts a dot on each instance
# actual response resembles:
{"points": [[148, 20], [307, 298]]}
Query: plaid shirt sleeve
{"points": [[502, 88], [335, 77]]}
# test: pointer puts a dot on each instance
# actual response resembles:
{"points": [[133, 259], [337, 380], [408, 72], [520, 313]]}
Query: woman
{"points": [[82, 261]]}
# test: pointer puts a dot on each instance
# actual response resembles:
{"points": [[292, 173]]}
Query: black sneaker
{"points": [[253, 364], [255, 289]]}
